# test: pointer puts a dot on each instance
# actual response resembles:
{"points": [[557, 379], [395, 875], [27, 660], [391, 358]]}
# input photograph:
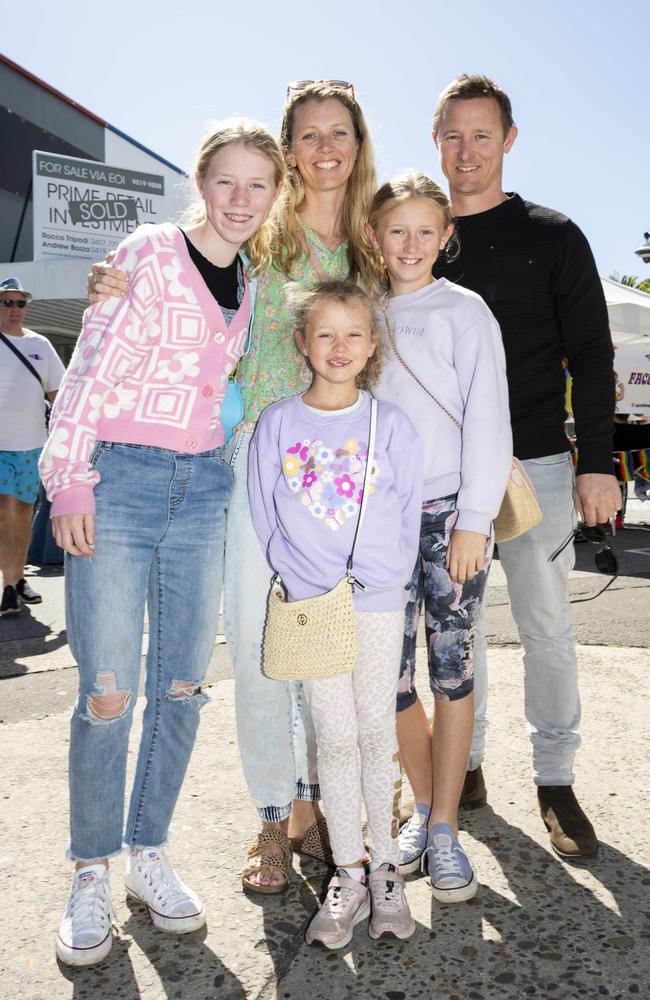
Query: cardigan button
{"points": [[207, 391], [190, 443], [219, 337]]}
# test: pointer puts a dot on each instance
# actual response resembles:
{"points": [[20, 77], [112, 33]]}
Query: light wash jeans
{"points": [[539, 597], [160, 529], [277, 740]]}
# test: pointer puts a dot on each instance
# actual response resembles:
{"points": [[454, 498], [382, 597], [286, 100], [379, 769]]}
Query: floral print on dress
{"points": [[329, 481], [273, 369]]}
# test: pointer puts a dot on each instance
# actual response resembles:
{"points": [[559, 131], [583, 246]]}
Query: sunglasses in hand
{"points": [[605, 558]]}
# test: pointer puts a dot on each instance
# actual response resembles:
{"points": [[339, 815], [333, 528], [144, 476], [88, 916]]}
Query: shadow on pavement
{"points": [[186, 968], [557, 938]]}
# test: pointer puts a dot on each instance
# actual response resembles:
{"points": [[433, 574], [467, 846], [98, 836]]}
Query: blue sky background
{"points": [[576, 71]]}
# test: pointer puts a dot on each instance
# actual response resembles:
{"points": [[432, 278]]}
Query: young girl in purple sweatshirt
{"points": [[441, 341], [306, 469]]}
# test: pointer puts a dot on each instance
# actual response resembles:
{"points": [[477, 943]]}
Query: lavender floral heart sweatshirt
{"points": [[305, 477]]}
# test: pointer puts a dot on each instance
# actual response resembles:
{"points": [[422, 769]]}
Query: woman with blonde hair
{"points": [[319, 233], [135, 471]]}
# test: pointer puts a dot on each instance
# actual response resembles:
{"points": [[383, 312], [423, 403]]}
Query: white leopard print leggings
{"points": [[357, 711]]}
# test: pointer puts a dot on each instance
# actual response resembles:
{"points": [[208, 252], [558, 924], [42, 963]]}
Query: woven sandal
{"points": [[315, 843], [259, 857]]}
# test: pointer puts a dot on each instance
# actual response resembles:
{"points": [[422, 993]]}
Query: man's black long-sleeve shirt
{"points": [[535, 270]]}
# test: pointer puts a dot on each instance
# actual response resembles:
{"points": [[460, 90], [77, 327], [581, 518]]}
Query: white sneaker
{"points": [[85, 931], [173, 907]]}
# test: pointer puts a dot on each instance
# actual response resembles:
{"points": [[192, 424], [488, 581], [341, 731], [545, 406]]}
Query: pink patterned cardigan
{"points": [[150, 368]]}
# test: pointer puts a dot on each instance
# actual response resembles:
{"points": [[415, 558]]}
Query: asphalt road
{"points": [[38, 668]]}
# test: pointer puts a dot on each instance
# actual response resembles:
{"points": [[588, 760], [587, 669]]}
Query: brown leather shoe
{"points": [[572, 835], [474, 793]]}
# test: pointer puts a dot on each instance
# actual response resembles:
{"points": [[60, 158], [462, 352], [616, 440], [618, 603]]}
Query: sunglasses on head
{"points": [[18, 303], [299, 85], [605, 559]]}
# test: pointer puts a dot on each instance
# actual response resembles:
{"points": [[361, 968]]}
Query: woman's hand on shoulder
{"points": [[105, 282], [75, 533], [465, 555]]}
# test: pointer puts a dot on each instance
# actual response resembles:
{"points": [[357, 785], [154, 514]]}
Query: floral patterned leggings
{"points": [[450, 611], [354, 717]]}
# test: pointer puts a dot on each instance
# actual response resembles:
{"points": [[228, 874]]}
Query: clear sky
{"points": [[576, 71]]}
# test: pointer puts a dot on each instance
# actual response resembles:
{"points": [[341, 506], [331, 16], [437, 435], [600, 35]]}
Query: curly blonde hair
{"points": [[251, 135], [305, 301], [288, 243], [410, 184]]}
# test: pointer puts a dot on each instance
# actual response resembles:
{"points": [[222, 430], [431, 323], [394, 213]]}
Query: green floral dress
{"points": [[272, 368]]}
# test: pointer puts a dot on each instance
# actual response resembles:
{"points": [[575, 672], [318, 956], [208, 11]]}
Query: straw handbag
{"points": [[519, 511], [316, 636]]}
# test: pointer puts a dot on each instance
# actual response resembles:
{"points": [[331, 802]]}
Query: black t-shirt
{"points": [[535, 270], [226, 284]]}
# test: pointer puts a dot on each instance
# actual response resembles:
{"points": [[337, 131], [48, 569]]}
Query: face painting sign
{"points": [[83, 209], [632, 368]]}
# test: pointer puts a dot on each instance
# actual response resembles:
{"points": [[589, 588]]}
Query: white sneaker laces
{"points": [[410, 837], [164, 881], [89, 905]]}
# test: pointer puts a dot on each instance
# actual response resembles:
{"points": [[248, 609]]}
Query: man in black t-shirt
{"points": [[535, 270]]}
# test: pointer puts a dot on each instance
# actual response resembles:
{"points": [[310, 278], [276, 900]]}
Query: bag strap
{"points": [[28, 365], [366, 476], [391, 337], [372, 433]]}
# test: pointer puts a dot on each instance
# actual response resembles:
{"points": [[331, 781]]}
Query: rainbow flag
{"points": [[629, 462], [626, 463]]}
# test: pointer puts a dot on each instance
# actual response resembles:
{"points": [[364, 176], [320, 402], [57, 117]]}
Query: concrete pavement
{"points": [[538, 927]]}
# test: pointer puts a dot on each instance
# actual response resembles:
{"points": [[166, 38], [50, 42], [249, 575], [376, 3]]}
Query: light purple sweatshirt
{"points": [[305, 477], [450, 339]]}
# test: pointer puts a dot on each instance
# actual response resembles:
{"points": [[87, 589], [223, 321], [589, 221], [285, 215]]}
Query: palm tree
{"points": [[632, 281]]}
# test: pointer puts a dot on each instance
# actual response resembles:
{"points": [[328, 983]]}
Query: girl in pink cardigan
{"points": [[133, 467]]}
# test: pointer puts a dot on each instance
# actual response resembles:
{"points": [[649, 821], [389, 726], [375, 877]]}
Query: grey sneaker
{"points": [[450, 871], [390, 908], [346, 905]]}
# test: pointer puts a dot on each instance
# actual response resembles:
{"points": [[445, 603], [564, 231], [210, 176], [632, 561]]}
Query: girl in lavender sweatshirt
{"points": [[306, 467], [441, 341]]}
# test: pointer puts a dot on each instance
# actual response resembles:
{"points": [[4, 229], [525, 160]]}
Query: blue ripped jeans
{"points": [[159, 540]]}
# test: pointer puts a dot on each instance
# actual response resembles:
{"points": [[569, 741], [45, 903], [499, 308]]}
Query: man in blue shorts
{"points": [[22, 435]]}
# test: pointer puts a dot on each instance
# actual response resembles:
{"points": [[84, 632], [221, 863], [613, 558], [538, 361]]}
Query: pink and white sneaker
{"points": [[346, 904], [390, 909]]}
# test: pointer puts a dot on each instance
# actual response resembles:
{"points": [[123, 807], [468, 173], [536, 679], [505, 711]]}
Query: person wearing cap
{"points": [[22, 436]]}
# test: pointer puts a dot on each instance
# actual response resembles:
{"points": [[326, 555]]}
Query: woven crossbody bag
{"points": [[519, 511], [316, 636]]}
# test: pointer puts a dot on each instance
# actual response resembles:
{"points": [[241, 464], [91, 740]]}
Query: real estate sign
{"points": [[83, 209]]}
